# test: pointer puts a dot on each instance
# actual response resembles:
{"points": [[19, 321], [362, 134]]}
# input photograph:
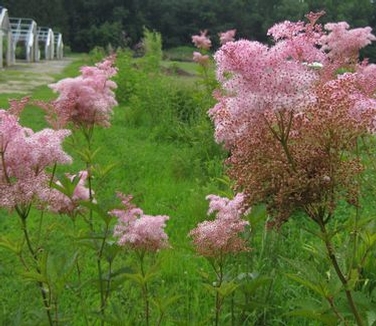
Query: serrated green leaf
{"points": [[34, 276], [326, 319], [103, 171], [371, 318], [163, 303], [110, 251], [353, 279], [67, 185], [251, 286], [227, 288], [139, 278], [13, 246], [320, 289]]}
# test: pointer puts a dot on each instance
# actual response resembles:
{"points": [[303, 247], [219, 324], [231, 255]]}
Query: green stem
{"points": [[80, 296], [218, 297], [145, 290], [101, 308], [33, 253], [104, 293], [341, 276]]}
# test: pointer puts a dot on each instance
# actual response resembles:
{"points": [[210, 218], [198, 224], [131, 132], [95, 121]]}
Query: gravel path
{"points": [[23, 77]]}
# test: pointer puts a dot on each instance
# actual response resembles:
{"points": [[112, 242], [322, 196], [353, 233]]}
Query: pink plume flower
{"points": [[282, 111], [344, 43], [228, 36], [200, 58], [25, 155], [257, 79], [202, 41], [222, 235], [89, 98], [137, 230]]}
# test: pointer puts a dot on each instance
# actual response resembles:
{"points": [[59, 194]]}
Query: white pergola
{"points": [[59, 46], [24, 32], [6, 41], [46, 40]]}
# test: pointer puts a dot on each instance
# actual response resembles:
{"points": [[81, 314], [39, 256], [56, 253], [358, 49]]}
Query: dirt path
{"points": [[23, 77]]}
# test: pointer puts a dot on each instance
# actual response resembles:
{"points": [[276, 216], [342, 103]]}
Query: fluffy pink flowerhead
{"points": [[202, 41], [343, 43], [137, 230], [227, 36], [255, 80], [222, 235], [200, 58], [88, 99], [25, 155]]}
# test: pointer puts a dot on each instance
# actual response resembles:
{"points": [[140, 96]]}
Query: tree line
{"points": [[89, 23]]}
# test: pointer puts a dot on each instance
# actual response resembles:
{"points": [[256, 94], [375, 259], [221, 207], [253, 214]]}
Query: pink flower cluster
{"points": [[88, 99], [345, 43], [222, 235], [258, 79], [228, 36], [202, 59], [290, 115], [24, 157], [137, 230], [202, 41]]}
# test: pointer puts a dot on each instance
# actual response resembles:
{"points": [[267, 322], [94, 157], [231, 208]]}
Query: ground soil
{"points": [[23, 77]]}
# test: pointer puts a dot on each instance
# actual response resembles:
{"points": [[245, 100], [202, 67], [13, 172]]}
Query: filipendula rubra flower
{"points": [[137, 230], [202, 41], [227, 36], [88, 99], [202, 59], [24, 157], [222, 235], [290, 120]]}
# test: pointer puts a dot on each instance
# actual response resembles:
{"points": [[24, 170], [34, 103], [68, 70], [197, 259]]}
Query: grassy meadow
{"points": [[160, 148]]}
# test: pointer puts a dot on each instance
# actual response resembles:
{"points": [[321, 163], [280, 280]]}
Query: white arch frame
{"points": [[24, 30], [6, 36], [46, 39], [59, 46]]}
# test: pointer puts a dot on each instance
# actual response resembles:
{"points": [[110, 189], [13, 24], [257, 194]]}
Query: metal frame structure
{"points": [[6, 40], [59, 46], [24, 31], [46, 40]]}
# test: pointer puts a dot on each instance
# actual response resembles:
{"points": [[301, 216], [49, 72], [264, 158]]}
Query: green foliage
{"points": [[180, 53], [89, 23], [160, 148], [152, 45]]}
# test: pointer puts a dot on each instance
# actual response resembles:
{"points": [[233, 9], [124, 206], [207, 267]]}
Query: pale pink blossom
{"points": [[228, 36], [88, 99], [287, 113], [344, 43], [202, 41], [226, 208], [256, 79], [222, 235], [138, 230], [298, 41], [25, 155], [200, 58]]}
